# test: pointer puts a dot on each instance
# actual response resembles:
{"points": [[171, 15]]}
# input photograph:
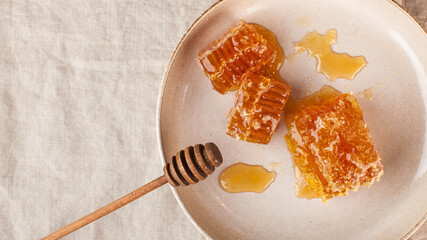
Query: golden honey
{"points": [[331, 64], [258, 108], [248, 58], [241, 177], [366, 94], [246, 47], [272, 67], [330, 145]]}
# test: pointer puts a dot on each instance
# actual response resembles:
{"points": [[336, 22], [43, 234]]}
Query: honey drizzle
{"points": [[241, 177], [331, 64]]}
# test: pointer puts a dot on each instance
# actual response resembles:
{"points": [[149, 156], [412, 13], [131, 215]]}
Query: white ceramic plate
{"points": [[395, 47]]}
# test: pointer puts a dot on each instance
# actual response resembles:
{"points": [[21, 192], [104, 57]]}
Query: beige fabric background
{"points": [[79, 83]]}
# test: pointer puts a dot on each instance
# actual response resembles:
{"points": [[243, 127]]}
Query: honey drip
{"points": [[331, 64], [366, 94], [330, 145], [241, 177], [275, 165]]}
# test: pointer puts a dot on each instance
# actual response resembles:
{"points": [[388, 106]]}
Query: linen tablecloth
{"points": [[79, 83]]}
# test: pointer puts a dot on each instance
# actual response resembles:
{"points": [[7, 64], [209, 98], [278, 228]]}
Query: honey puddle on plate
{"points": [[241, 177], [331, 64], [366, 94]]}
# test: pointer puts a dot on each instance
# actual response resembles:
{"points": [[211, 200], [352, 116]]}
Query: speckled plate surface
{"points": [[395, 47]]}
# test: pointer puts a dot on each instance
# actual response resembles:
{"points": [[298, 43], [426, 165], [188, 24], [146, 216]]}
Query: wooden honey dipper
{"points": [[187, 167]]}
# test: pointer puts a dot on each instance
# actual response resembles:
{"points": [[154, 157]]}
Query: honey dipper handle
{"points": [[108, 208]]}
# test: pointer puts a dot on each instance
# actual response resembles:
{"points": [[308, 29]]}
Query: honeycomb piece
{"points": [[271, 68], [330, 145], [258, 107], [244, 48]]}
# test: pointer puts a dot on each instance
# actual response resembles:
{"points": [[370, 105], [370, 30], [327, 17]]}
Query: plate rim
{"points": [[160, 103]]}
